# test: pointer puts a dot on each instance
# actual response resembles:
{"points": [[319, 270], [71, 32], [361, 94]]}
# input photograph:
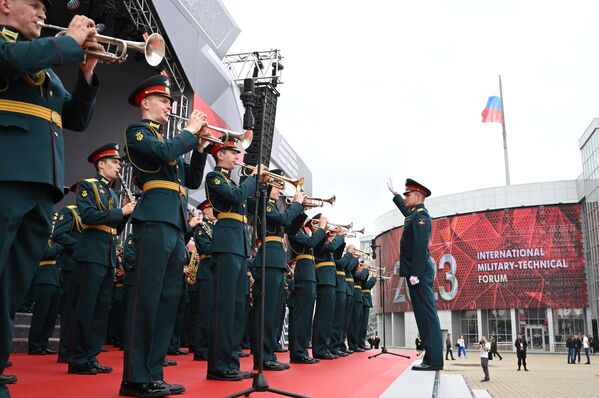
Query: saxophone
{"points": [[194, 262]]}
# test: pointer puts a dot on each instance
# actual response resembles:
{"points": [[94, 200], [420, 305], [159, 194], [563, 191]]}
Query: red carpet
{"points": [[353, 376]]}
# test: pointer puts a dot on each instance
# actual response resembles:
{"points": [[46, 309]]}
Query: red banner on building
{"points": [[515, 258]]}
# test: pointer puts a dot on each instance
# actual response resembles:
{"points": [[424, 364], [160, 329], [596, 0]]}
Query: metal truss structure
{"points": [[264, 67], [144, 18]]}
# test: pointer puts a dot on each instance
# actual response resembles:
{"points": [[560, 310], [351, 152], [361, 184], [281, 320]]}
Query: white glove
{"points": [[414, 280], [391, 187]]}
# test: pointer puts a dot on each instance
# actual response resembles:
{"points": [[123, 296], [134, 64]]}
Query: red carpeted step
{"points": [[353, 376]]}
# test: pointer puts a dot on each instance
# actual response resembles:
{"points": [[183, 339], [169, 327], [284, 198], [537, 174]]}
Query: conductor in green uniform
{"points": [[34, 107], [159, 226], [416, 265]]}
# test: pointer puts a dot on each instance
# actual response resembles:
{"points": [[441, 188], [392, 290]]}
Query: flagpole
{"points": [[507, 163]]}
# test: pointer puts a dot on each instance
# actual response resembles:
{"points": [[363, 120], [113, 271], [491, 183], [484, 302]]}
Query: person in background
{"points": [[494, 348], [448, 345], [461, 347], [585, 345], [485, 348], [521, 345]]}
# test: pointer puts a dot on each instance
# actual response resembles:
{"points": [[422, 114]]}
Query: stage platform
{"points": [[352, 376]]}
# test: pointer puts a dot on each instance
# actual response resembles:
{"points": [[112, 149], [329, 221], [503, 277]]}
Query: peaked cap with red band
{"points": [[230, 144], [204, 205], [105, 151], [412, 185], [157, 85]]}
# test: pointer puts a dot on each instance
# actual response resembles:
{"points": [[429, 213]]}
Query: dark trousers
{"points": [[24, 230], [355, 326], [494, 352], [338, 321], [273, 304], [349, 305], [301, 319], [230, 286], [204, 298], [484, 362], [67, 301], [571, 355], [364, 327], [448, 352], [280, 322], [322, 327], [90, 313], [152, 308], [521, 360], [175, 342], [47, 300], [427, 320], [115, 321]]}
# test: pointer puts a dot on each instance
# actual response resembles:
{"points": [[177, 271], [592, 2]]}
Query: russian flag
{"points": [[493, 112]]}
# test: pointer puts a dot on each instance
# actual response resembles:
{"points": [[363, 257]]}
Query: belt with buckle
{"points": [[173, 186], [25, 108], [105, 228]]}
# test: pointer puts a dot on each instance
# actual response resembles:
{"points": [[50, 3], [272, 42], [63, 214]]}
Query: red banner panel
{"points": [[514, 258]]}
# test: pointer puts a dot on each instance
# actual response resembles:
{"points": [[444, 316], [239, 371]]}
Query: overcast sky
{"points": [[383, 89]]}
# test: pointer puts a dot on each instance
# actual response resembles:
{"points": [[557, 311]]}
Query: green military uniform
{"points": [[47, 300], [356, 317], [95, 252], [275, 265], [117, 309], [326, 276], [366, 306], [202, 305], [159, 224], [34, 106], [230, 250], [304, 292], [67, 232], [341, 263], [415, 261], [350, 270], [129, 280]]}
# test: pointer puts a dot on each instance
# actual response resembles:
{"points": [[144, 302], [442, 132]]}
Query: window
{"points": [[469, 324], [500, 325]]}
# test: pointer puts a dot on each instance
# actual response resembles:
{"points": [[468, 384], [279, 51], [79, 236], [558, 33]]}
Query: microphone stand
{"points": [[259, 383], [382, 300]]}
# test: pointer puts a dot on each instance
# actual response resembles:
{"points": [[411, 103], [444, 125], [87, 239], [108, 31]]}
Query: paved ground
{"points": [[549, 375]]}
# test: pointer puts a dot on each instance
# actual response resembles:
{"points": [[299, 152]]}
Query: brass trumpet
{"points": [[277, 180], [331, 226], [153, 48], [245, 138], [362, 254], [354, 233], [312, 202]]}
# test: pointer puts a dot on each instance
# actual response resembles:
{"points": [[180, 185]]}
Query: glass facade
{"points": [[588, 186], [469, 328], [500, 326]]}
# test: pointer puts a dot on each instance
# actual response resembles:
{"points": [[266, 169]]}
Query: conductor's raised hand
{"points": [[391, 187]]}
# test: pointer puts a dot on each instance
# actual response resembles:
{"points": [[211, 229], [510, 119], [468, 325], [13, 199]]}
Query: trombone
{"points": [[153, 48], [313, 202], [245, 138], [276, 180]]}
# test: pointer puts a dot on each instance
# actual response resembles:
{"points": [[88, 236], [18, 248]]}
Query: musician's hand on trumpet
{"points": [[322, 223], [299, 197], [196, 124], [83, 30]]}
